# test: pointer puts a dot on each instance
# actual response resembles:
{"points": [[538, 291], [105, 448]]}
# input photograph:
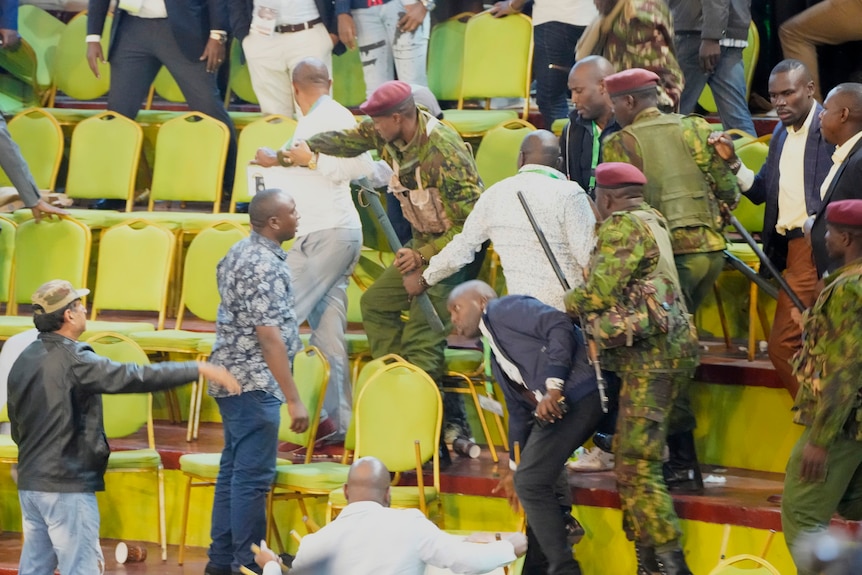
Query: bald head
{"points": [[587, 85], [473, 288], [849, 95], [310, 72], [841, 118], [367, 480], [265, 205], [595, 68], [467, 304], [540, 147]]}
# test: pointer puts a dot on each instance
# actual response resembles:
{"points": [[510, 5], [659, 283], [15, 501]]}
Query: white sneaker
{"points": [[592, 460]]}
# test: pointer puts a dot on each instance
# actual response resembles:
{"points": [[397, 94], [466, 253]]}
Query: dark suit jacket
{"points": [[576, 145], [846, 185], [240, 19], [9, 14], [543, 342], [191, 22], [818, 160]]}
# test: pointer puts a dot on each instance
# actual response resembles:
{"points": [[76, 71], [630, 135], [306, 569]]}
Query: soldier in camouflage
{"points": [[686, 181], [436, 182], [824, 473], [633, 246], [636, 34]]}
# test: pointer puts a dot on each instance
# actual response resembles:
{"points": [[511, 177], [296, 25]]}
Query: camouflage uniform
{"points": [[698, 249], [652, 371], [438, 183], [829, 405]]}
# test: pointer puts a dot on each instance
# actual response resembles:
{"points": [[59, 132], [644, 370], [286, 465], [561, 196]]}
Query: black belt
{"points": [[794, 234], [287, 28]]}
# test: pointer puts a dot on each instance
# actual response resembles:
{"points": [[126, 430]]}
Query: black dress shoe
{"points": [[686, 480], [109, 205], [213, 569], [604, 441], [574, 530], [647, 564], [672, 562]]}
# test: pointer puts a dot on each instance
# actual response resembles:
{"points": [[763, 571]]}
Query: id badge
{"points": [[131, 6], [263, 19]]}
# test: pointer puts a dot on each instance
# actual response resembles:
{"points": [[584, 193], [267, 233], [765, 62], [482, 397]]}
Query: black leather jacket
{"points": [[56, 410]]}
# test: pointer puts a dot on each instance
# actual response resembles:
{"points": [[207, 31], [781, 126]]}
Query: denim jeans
{"points": [[727, 83], [553, 58], [60, 530], [321, 263], [384, 50], [247, 468]]}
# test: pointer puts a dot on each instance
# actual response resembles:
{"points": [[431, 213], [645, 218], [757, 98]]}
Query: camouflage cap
{"points": [[56, 294]]}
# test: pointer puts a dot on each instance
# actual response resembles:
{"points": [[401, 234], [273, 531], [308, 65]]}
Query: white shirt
{"points": [[838, 156], [290, 11], [563, 211], [323, 195], [12, 348], [574, 12], [369, 539]]}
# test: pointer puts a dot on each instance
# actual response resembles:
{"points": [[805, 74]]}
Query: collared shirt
{"points": [[838, 156], [563, 211], [255, 286], [369, 539], [792, 212], [290, 11]]}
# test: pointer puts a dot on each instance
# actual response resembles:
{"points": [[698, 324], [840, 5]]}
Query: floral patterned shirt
{"points": [[254, 283]]}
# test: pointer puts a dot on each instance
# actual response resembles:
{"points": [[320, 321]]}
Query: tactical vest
{"points": [[675, 186]]}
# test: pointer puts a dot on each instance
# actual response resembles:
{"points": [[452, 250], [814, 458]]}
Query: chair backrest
{"points": [[369, 267], [271, 132], [239, 79], [497, 60], [397, 406], [445, 57], [311, 374], [72, 74], [166, 87], [191, 151], [731, 566], [749, 62], [22, 65], [497, 156], [200, 288], [42, 31], [368, 370], [103, 161], [348, 80], [135, 262], [40, 138], [7, 254], [52, 249], [123, 414]]}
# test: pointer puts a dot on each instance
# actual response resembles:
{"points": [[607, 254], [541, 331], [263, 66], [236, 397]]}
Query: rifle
{"points": [[591, 343], [372, 196]]}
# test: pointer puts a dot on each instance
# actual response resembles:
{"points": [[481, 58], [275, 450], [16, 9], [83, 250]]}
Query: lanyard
{"points": [[537, 169], [595, 159]]}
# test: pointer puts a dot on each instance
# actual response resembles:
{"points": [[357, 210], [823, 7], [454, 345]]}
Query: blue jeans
{"points": [[384, 50], [321, 263], [727, 83], [247, 469], [553, 58], [60, 530]]}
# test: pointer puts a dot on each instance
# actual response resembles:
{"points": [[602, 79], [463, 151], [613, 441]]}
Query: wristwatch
{"points": [[219, 35], [429, 4]]}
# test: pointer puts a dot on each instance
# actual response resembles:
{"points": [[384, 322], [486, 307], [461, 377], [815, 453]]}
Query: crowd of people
{"points": [[610, 236]]}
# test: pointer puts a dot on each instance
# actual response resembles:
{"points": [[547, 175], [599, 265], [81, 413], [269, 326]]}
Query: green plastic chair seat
{"points": [[558, 125], [196, 222], [134, 459], [401, 496], [93, 219], [156, 117], [323, 476], [463, 360], [243, 119], [205, 346], [171, 339], [8, 449], [14, 324], [357, 343], [200, 464], [744, 252], [71, 116], [478, 121]]}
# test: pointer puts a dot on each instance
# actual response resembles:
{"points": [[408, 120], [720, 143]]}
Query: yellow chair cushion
{"points": [[200, 464], [134, 458], [8, 449], [205, 346], [14, 324], [171, 339], [401, 496], [744, 252], [478, 121], [323, 476], [93, 219], [558, 125], [463, 360], [357, 343], [243, 119], [200, 221]]}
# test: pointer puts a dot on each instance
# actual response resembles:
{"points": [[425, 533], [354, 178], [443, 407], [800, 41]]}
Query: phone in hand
{"points": [[564, 407]]}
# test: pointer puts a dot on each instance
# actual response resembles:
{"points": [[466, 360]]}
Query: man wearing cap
{"points": [[824, 473], [686, 181], [436, 183], [55, 406], [636, 34], [633, 253]]}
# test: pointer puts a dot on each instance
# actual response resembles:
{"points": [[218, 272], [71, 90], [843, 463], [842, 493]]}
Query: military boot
{"points": [[672, 562], [682, 470], [647, 564]]}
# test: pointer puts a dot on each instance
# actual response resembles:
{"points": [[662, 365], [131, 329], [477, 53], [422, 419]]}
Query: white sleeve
{"points": [[462, 249], [345, 169], [272, 568], [580, 225], [452, 552], [745, 178]]}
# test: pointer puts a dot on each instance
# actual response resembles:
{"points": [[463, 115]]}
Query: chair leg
{"points": [[722, 317], [197, 414], [185, 520], [194, 393], [482, 421], [752, 318], [163, 536]]}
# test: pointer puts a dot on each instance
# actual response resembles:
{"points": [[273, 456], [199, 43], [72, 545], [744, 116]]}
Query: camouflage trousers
{"points": [[646, 398]]}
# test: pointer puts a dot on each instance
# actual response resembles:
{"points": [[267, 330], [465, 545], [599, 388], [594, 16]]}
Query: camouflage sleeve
{"points": [[722, 179], [650, 46], [839, 378], [614, 149], [347, 143], [625, 250]]}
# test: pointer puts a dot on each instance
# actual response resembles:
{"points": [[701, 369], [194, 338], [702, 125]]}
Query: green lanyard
{"points": [[536, 169], [595, 161], [486, 349]]}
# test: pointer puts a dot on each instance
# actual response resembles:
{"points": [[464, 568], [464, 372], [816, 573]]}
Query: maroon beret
{"points": [[387, 97], [629, 81], [618, 175], [845, 213]]}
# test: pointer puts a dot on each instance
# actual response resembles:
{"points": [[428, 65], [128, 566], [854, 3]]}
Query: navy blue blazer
{"points": [[818, 160], [190, 20], [9, 14], [543, 342], [846, 185]]}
